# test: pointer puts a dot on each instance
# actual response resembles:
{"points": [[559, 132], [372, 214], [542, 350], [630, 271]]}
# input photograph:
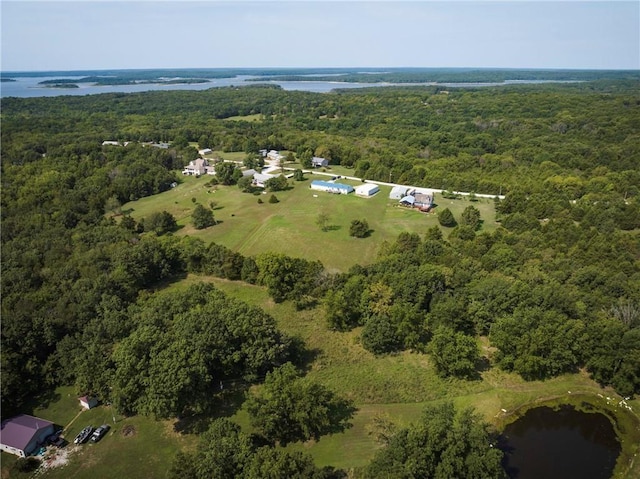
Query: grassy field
{"points": [[290, 226], [399, 386], [255, 117]]}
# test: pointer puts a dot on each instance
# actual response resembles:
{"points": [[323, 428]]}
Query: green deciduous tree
{"points": [[359, 229], [160, 223], [454, 353], [322, 220], [443, 444], [286, 277], [380, 335], [225, 172], [202, 217], [277, 183], [289, 408], [537, 344]]}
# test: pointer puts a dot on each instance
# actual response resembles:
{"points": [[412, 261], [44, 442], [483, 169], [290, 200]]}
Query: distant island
{"points": [[63, 85], [119, 80]]}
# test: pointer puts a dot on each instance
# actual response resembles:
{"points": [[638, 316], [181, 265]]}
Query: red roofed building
{"points": [[21, 435]]}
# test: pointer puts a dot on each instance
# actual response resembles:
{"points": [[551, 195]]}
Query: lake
{"points": [[26, 87], [560, 443]]}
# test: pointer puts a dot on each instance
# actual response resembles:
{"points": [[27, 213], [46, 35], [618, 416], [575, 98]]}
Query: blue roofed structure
{"points": [[330, 187]]}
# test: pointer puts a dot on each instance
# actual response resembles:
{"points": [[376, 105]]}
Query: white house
{"points": [[198, 167], [273, 155], [23, 434], [318, 162], [367, 189]]}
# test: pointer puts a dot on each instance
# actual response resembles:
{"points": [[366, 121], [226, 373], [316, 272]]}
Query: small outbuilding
{"points": [[367, 190], [318, 162], [88, 402], [23, 434], [330, 187], [205, 151], [398, 192]]}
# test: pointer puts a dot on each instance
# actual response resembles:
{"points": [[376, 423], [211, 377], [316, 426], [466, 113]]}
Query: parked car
{"points": [[53, 437], [83, 435], [60, 442], [99, 432]]}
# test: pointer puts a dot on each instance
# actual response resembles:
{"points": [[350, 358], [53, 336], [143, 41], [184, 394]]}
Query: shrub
{"points": [[359, 229]]}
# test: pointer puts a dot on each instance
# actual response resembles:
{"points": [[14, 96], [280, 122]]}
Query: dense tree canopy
{"points": [[444, 443], [289, 408], [225, 452]]}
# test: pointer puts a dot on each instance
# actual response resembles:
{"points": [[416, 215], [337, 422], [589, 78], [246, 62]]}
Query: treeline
{"points": [[574, 138]]}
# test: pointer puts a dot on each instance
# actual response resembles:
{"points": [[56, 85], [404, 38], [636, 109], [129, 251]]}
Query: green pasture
{"points": [[254, 117], [290, 227]]}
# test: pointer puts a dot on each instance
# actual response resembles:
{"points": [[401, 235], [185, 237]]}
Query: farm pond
{"points": [[560, 442]]}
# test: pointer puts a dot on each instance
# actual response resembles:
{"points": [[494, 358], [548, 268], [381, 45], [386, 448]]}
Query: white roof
{"points": [[367, 189]]}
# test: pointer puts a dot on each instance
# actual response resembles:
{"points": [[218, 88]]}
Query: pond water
{"points": [[560, 443]]}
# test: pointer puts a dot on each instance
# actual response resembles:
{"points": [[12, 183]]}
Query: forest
{"points": [[554, 289]]}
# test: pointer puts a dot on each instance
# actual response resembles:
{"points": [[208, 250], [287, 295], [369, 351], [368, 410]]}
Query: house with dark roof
{"points": [[23, 434]]}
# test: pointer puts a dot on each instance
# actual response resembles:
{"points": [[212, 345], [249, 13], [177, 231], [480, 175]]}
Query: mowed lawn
{"points": [[290, 226], [134, 447]]}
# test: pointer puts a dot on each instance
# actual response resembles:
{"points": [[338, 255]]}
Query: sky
{"points": [[118, 34]]}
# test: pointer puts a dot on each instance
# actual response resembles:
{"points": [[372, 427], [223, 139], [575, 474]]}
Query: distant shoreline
{"points": [[317, 80]]}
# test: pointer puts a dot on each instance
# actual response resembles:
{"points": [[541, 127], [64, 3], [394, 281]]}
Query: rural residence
{"points": [[23, 434], [198, 167]]}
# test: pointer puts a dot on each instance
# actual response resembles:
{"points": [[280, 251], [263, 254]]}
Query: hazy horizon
{"points": [[380, 69], [149, 35]]}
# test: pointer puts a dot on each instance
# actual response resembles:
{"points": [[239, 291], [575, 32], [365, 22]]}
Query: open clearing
{"points": [[290, 226]]}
